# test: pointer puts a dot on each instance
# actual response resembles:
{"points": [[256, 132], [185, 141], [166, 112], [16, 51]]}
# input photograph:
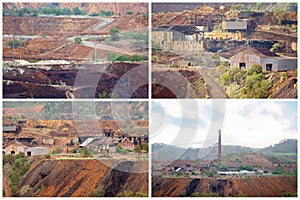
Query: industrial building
{"points": [[178, 39], [16, 147], [243, 25], [269, 61]]}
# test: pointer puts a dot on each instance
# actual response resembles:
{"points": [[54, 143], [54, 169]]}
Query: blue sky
{"points": [[195, 123]]}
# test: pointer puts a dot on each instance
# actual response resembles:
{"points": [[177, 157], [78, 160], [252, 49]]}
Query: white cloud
{"points": [[246, 123]]}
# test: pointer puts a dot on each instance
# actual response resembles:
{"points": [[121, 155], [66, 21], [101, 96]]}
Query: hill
{"points": [[89, 8], [166, 152], [81, 178], [226, 187]]}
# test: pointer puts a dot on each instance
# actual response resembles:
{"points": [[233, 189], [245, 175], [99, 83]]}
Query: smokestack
{"points": [[219, 147]]}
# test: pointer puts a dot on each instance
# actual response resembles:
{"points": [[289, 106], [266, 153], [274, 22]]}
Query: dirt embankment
{"points": [[252, 187], [78, 178], [48, 49], [44, 83], [117, 8], [49, 26], [177, 83]]}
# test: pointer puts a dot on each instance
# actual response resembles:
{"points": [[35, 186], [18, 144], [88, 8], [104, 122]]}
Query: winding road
{"points": [[214, 88]]}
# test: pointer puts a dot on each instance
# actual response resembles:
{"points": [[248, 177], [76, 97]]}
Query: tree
{"points": [[129, 13], [258, 6], [78, 40], [13, 43], [77, 11], [114, 34], [275, 47], [138, 149]]}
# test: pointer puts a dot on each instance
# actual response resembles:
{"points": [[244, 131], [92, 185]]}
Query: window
{"points": [[28, 153], [242, 65], [269, 67]]}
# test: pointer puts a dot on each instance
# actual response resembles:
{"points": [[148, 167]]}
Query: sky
{"points": [[196, 123]]}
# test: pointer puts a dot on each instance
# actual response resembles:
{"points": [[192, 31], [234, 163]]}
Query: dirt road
{"points": [[214, 88], [110, 48]]}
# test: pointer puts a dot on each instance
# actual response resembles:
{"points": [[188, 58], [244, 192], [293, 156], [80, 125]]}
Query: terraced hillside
{"points": [[82, 178], [227, 187]]}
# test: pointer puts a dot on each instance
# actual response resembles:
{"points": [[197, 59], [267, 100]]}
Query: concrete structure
{"points": [[12, 128], [223, 35], [269, 61], [37, 151], [238, 25], [219, 147], [179, 39], [16, 147], [127, 145]]}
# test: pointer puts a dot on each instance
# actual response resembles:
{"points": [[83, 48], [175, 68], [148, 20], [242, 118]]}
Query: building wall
{"points": [[37, 151], [235, 25], [14, 147], [280, 64], [163, 39], [250, 58], [188, 47], [246, 56], [183, 44], [222, 36]]}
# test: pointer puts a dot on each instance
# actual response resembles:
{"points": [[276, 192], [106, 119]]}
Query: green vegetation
{"points": [[145, 147], [124, 58], [174, 66], [246, 167], [283, 193], [49, 10], [78, 40], [85, 153], [138, 149], [15, 167], [47, 156], [129, 13], [57, 150], [114, 34], [199, 194], [250, 83], [105, 13], [136, 58], [77, 11], [217, 28], [282, 172], [129, 193], [121, 150], [237, 7], [275, 47], [222, 167], [13, 43], [98, 192]]}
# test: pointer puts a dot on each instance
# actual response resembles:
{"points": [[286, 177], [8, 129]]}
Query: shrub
{"points": [[254, 69], [99, 191], [47, 156], [136, 58], [13, 43], [78, 40], [114, 32], [122, 58], [111, 56]]}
